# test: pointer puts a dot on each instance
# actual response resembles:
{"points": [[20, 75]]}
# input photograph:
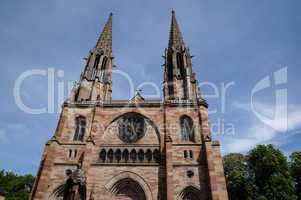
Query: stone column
{"points": [[169, 168]]}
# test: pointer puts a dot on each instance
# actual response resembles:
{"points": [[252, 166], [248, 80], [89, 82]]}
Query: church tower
{"points": [[96, 79], [179, 80], [133, 149]]}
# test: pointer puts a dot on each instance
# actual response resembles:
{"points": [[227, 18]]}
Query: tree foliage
{"points": [[17, 187], [295, 166], [262, 174], [271, 173], [237, 176]]}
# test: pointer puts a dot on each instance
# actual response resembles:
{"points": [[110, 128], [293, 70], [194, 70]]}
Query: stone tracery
{"points": [[126, 155]]}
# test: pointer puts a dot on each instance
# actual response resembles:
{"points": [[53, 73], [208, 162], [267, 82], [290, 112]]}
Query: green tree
{"points": [[295, 167], [271, 173], [17, 187], [239, 182]]}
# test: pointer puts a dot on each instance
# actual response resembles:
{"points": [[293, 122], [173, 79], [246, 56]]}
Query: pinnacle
{"points": [[105, 40], [175, 35]]}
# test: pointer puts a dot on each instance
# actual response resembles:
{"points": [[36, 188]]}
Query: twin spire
{"points": [[96, 80], [175, 36]]}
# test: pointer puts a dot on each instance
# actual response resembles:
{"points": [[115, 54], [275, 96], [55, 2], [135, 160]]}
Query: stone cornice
{"points": [[145, 103], [129, 145], [187, 144], [127, 164]]}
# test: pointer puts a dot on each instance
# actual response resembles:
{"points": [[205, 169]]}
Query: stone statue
{"points": [[75, 187]]}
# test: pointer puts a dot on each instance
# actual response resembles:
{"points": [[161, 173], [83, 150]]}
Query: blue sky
{"points": [[239, 42]]}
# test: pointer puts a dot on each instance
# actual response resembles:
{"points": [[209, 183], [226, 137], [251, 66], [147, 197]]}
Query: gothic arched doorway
{"points": [[128, 189], [190, 193]]}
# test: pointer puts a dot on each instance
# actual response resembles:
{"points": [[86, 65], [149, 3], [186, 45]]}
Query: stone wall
{"points": [[183, 164]]}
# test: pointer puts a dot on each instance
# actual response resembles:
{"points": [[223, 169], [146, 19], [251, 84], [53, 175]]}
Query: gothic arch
{"points": [[95, 66], [103, 69], [190, 193], [147, 119], [80, 128], [187, 128], [180, 66], [57, 193], [169, 68], [135, 182]]}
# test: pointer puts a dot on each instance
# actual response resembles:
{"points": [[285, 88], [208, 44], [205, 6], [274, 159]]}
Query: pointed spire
{"points": [[175, 35], [105, 40]]}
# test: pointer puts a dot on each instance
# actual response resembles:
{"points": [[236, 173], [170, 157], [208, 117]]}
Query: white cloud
{"points": [[257, 132], [293, 118], [250, 137]]}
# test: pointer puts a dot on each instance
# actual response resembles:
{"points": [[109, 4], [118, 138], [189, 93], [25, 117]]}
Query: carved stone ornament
{"points": [[131, 128]]}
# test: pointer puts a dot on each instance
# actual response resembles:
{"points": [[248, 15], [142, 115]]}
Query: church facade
{"points": [[135, 149]]}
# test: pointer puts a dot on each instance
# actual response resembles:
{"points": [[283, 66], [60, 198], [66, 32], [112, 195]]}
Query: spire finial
{"points": [[175, 35], [105, 40]]}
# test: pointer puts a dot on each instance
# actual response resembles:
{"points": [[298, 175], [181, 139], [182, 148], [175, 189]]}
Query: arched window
{"points": [[133, 155], [170, 88], [125, 155], [180, 66], [191, 154], [141, 155], [103, 70], [75, 153], [156, 155], [148, 155], [95, 66], [110, 155], [187, 129], [118, 155], [80, 128], [185, 154], [169, 68], [103, 155], [169, 74]]}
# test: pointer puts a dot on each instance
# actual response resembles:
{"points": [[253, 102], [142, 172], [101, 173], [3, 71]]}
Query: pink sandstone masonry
{"points": [[134, 149]]}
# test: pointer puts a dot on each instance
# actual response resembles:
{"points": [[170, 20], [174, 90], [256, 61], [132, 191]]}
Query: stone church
{"points": [[136, 149]]}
